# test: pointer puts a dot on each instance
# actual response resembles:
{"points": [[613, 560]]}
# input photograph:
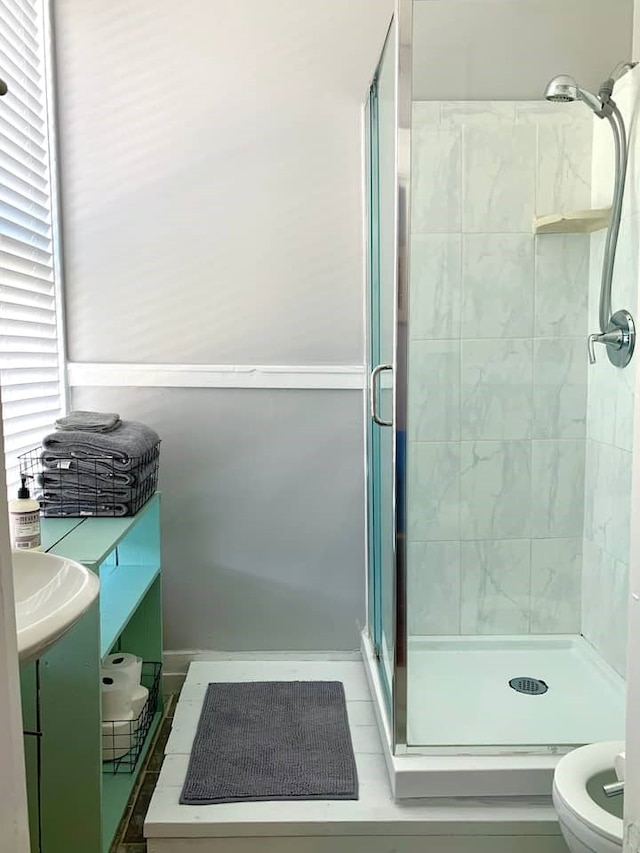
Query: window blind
{"points": [[30, 350]]}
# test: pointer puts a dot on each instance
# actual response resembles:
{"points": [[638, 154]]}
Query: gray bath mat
{"points": [[272, 740]]}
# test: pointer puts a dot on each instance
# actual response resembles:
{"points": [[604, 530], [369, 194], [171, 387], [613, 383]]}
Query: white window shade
{"points": [[30, 330]]}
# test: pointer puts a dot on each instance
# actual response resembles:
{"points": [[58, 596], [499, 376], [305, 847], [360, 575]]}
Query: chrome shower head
{"points": [[564, 88], [561, 89]]}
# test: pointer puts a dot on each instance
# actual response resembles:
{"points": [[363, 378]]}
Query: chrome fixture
{"points": [[373, 400], [619, 338], [528, 685], [563, 89], [617, 331], [614, 789]]}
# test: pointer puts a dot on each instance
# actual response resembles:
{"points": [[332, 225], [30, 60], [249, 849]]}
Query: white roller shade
{"points": [[30, 350]]}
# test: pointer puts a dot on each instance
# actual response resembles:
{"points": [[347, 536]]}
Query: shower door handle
{"points": [[375, 373]]}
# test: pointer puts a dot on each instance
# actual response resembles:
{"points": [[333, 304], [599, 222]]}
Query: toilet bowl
{"points": [[590, 822]]}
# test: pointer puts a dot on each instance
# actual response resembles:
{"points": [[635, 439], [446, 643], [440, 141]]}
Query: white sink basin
{"points": [[51, 594]]}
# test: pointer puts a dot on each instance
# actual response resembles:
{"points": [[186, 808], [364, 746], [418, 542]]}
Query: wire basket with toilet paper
{"points": [[130, 692]]}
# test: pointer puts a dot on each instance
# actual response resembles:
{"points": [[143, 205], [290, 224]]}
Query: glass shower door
{"points": [[382, 263]]}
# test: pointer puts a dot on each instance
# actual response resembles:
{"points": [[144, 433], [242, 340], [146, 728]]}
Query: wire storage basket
{"points": [[123, 740], [71, 487]]}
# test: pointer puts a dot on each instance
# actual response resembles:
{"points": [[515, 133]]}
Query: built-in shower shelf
{"points": [[572, 222]]}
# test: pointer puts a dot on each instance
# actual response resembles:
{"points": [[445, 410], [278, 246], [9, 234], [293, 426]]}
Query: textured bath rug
{"points": [[272, 740]]}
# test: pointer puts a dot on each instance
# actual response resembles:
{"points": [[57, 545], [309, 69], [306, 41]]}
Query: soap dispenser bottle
{"points": [[24, 520]]}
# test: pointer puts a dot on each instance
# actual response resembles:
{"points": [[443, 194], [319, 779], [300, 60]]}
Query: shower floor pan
{"points": [[470, 733]]}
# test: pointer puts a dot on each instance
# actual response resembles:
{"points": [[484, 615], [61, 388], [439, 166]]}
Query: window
{"points": [[31, 352]]}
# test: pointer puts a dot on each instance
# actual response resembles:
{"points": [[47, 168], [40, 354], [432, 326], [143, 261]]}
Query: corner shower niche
{"points": [[506, 456], [572, 222]]}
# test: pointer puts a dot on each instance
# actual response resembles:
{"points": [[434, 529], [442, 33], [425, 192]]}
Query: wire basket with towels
{"points": [[94, 464]]}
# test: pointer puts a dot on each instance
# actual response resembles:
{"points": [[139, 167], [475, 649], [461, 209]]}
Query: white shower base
{"points": [[470, 734], [459, 694]]}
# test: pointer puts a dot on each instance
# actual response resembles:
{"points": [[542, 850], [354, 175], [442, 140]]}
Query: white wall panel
{"points": [[611, 448], [510, 49], [497, 411], [211, 183], [211, 175], [632, 777], [262, 514]]}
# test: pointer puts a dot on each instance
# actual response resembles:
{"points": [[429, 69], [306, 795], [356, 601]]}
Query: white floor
{"points": [[374, 823], [459, 695]]}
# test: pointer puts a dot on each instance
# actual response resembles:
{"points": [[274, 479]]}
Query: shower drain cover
{"points": [[532, 686]]}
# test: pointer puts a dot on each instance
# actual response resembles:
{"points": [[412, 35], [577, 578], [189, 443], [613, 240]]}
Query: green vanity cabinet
{"points": [[75, 803]]}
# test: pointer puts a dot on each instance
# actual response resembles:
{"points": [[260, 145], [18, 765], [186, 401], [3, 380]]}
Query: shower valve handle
{"points": [[619, 338], [610, 339]]}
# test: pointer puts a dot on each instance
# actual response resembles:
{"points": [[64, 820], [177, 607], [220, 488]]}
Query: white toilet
{"points": [[590, 822]]}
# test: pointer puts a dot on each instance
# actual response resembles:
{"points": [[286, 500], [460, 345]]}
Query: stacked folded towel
{"points": [[90, 421], [97, 464]]}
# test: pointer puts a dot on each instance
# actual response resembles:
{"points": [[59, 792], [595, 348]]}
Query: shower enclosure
{"points": [[499, 461]]}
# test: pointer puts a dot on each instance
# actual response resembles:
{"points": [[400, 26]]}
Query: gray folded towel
{"points": [[94, 473], [98, 496], [124, 445], [89, 421], [75, 509]]}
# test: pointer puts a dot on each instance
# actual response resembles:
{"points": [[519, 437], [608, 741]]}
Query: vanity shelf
{"points": [[81, 803], [572, 222], [123, 589]]}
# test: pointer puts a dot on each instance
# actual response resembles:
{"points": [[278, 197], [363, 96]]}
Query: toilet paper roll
{"points": [[117, 695], [139, 700], [118, 737], [131, 665], [619, 764]]}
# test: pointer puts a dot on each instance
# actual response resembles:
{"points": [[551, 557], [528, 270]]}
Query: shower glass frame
{"points": [[380, 159], [404, 104], [397, 709], [396, 704]]}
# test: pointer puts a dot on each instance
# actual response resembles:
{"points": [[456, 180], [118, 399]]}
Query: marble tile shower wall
{"points": [[497, 369], [607, 523]]}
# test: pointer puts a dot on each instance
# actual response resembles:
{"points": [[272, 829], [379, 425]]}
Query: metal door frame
{"points": [[403, 34], [373, 355], [404, 17]]}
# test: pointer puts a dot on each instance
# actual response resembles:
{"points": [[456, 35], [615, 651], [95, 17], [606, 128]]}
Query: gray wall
{"points": [[262, 514], [509, 49], [211, 178]]}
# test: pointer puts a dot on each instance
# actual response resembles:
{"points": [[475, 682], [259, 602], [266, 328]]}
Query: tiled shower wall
{"points": [[610, 408], [497, 368]]}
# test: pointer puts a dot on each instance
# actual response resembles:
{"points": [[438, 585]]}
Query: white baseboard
{"points": [[176, 663]]}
